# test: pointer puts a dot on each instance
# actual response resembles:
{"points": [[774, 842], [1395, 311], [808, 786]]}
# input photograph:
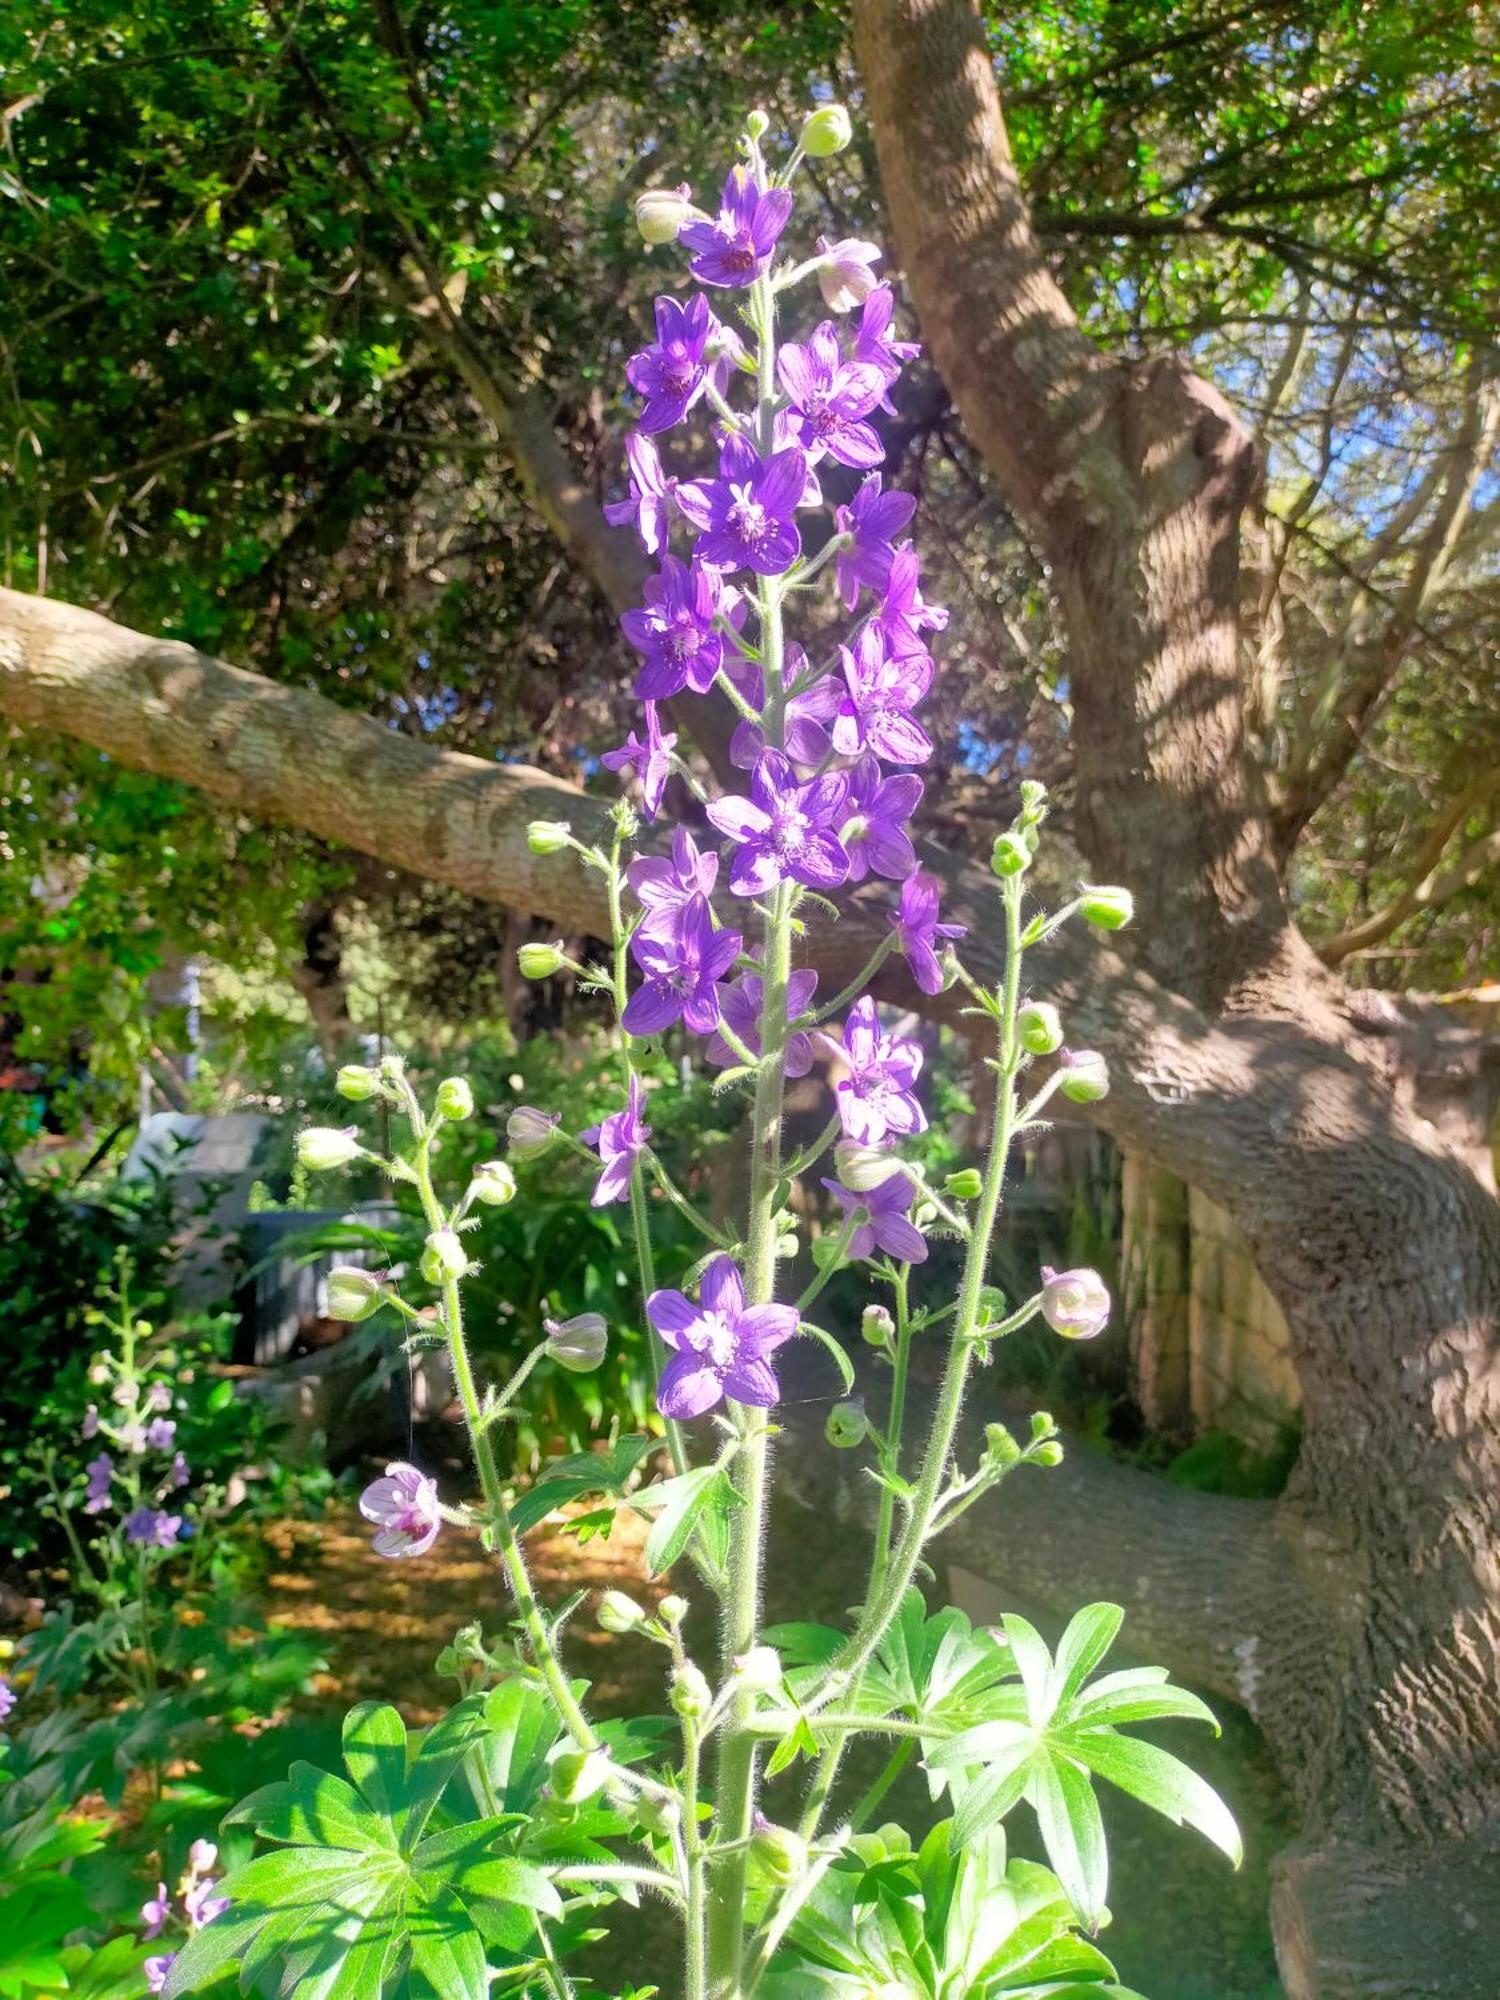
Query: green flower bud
{"points": [[1042, 1425], [352, 1295], [779, 1852], [861, 1168], [1086, 1076], [966, 1185], [672, 1609], [356, 1082], [529, 1132], [619, 1613], [689, 1692], [757, 124], [454, 1099], [876, 1327], [759, 1670], [580, 1344], [1000, 1449], [548, 836], [493, 1184], [1040, 1028], [539, 961], [1105, 908], [578, 1774], [991, 1305], [323, 1147], [1033, 798], [1010, 855], [846, 1426], [1050, 1453], [448, 1255], [660, 213], [826, 131]]}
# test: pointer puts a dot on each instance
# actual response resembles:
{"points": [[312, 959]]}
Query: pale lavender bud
{"points": [[863, 1168], [661, 212], [846, 276], [1075, 1304], [323, 1147], [1085, 1076], [578, 1344], [529, 1132], [493, 1184]]}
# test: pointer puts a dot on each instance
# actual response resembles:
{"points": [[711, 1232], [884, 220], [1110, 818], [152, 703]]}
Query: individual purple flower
{"points": [[720, 1345], [671, 373], [873, 346], [652, 756], [664, 887], [619, 1140], [874, 518], [100, 1471], [880, 692], [202, 1903], [159, 1397], [903, 616], [156, 1913], [156, 1970], [652, 496], [876, 1096], [682, 972], [831, 398], [161, 1433], [746, 514], [179, 1475], [881, 1221], [918, 931], [89, 1428], [737, 247], [7, 1698], [804, 736], [740, 1009], [674, 630], [151, 1528], [874, 835], [785, 830], [847, 277], [404, 1506]]}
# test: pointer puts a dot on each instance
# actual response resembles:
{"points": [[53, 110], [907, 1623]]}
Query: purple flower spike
{"points": [[918, 931], [653, 758], [100, 1471], [156, 1913], [804, 736], [785, 830], [670, 374], [740, 1008], [721, 1345], [404, 1507], [150, 1528], [880, 692], [876, 1098], [874, 836], [882, 1222], [736, 249], [832, 397], [619, 1141], [903, 617], [674, 630], [682, 972], [652, 496], [747, 513], [161, 1433], [874, 518], [665, 888]]}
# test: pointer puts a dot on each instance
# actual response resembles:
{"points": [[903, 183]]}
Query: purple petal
{"points": [[651, 1008], [739, 818], [762, 1328], [821, 862], [687, 1388], [671, 1312], [900, 1238], [753, 1382], [723, 1289]]}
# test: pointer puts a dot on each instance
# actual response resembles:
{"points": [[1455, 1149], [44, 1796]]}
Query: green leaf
{"points": [[315, 1809], [1161, 1781], [1072, 1832], [836, 1350], [375, 1752], [682, 1502], [1090, 1634], [1033, 1662]]}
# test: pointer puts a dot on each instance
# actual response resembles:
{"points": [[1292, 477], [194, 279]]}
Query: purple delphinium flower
{"points": [[736, 248], [203, 1903], [876, 1097], [746, 514], [740, 1009], [785, 830], [89, 1428], [803, 735], [874, 835], [158, 1397], [873, 346], [880, 691], [652, 496], [156, 1970], [619, 1140], [156, 1913], [847, 278], [7, 1698], [404, 1507], [674, 630], [874, 518], [100, 1471], [665, 887], [1075, 1303], [918, 930], [831, 398], [883, 1222], [179, 1474], [903, 616], [160, 1433], [720, 1345], [151, 1528], [671, 373], [653, 757], [682, 969]]}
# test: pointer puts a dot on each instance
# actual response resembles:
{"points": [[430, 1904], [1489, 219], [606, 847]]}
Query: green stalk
{"points": [[696, 1987]]}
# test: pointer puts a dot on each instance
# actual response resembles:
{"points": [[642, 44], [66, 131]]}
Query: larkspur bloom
{"points": [[682, 970], [874, 518], [831, 398], [202, 1903], [159, 1397], [404, 1507], [671, 373], [882, 1221], [651, 756], [674, 630], [880, 692], [720, 1346], [903, 615], [161, 1433], [785, 830], [89, 1428], [156, 1970], [619, 1140], [1075, 1303], [877, 1095], [873, 346], [804, 732], [152, 1528], [664, 887], [740, 1011], [847, 277], [7, 1698], [203, 1855], [179, 1475], [918, 931], [652, 499], [156, 1913], [100, 1471], [874, 836], [736, 248], [746, 515]]}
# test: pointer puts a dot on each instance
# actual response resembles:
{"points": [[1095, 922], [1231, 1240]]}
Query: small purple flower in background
{"points": [[682, 970], [876, 1097], [160, 1433], [873, 346], [652, 496], [736, 248], [918, 931], [123, 1393], [720, 1345], [874, 835], [156, 1913], [158, 1397], [404, 1506], [746, 515], [880, 691], [619, 1140], [804, 737], [7, 1698], [653, 757], [832, 397], [89, 1428], [671, 373], [133, 1436], [100, 1471], [1075, 1303], [883, 1224], [151, 1528], [665, 888], [674, 631], [740, 1008], [179, 1474], [156, 1970], [874, 518], [903, 616], [847, 278], [202, 1903], [785, 829], [203, 1856]]}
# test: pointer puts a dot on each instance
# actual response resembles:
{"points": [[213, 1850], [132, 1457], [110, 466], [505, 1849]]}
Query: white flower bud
{"points": [[352, 1295], [454, 1099], [759, 1670], [578, 1344], [323, 1147], [660, 213], [861, 1168], [493, 1184], [877, 1328], [1075, 1304], [672, 1610], [548, 836], [1086, 1076], [529, 1132], [757, 124], [826, 131], [619, 1613], [539, 961], [357, 1083], [689, 1692], [578, 1774], [1040, 1028]]}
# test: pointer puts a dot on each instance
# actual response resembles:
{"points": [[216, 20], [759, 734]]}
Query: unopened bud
{"points": [[1033, 799], [539, 961], [757, 124], [1050, 1453], [356, 1082], [781, 1853], [323, 1147], [351, 1295], [493, 1184], [1010, 855], [578, 1774], [965, 1185], [1086, 1076], [1000, 1449], [529, 1132], [863, 1168], [1040, 1028], [446, 1254], [578, 1344], [660, 213], [826, 131], [876, 1327], [672, 1609], [619, 1613], [759, 1670], [689, 1692], [846, 1426], [1075, 1303], [1107, 909], [548, 836], [454, 1099]]}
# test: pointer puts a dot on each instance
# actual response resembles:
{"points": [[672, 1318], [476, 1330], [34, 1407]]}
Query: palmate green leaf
{"points": [[681, 1505], [1072, 1831], [1161, 1781], [579, 1474]]}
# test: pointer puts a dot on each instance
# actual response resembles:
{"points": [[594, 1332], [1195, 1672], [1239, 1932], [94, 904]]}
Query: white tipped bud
{"points": [[322, 1147], [826, 131], [876, 1327], [1086, 1076], [529, 1132], [493, 1184], [672, 1610], [861, 1168], [781, 1853], [1040, 1028], [351, 1295], [357, 1083], [661, 213], [548, 836], [689, 1692], [578, 1344], [1075, 1304], [759, 1670], [577, 1775], [619, 1613], [539, 961], [454, 1099]]}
